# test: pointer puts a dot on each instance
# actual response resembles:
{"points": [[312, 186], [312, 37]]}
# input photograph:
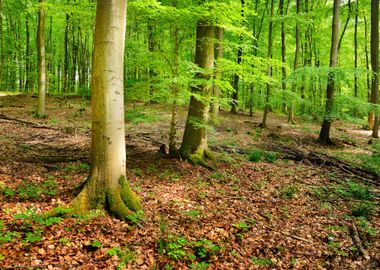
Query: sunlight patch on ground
{"points": [[3, 94], [362, 132]]}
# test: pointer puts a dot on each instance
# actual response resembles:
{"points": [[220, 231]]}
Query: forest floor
{"points": [[275, 200]]}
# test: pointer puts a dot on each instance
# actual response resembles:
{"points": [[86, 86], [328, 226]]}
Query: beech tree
{"points": [[194, 144], [41, 60], [324, 135], [375, 63], [107, 185]]}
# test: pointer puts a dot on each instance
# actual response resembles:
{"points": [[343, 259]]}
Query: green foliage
{"points": [[288, 191], [136, 217], [27, 190], [364, 226], [261, 261], [81, 167], [34, 236], [96, 244], [362, 209], [141, 115], [8, 236], [125, 255], [260, 155], [193, 213], [335, 247]]}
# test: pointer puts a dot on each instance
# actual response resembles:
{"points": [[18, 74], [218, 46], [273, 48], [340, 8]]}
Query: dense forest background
{"points": [[160, 49]]}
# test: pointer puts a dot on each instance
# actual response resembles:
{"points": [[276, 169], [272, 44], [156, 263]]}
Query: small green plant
{"points": [[335, 247], [260, 155], [82, 167], [204, 249], [199, 265], [362, 209], [365, 227], [8, 237], [217, 175], [34, 236], [193, 214], [135, 217], [96, 244], [64, 241], [261, 261], [125, 255], [288, 191], [255, 156]]}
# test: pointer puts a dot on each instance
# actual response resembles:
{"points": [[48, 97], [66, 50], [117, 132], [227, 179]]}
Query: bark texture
{"points": [[218, 75], [107, 186], [41, 61], [194, 144], [324, 135], [375, 63]]}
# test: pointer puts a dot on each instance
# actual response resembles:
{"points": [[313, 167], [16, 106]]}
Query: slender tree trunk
{"points": [[375, 63], [283, 50], [235, 94], [256, 34], [41, 60], [269, 56], [324, 136], [345, 25], [217, 76], [175, 90], [2, 55], [66, 55], [296, 61], [107, 186], [356, 51], [27, 55], [194, 144]]}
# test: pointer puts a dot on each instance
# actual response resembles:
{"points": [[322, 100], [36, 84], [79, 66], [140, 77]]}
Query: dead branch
{"points": [[359, 242], [30, 124]]}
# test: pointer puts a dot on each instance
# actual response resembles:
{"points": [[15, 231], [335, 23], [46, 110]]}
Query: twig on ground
{"points": [[359, 242]]}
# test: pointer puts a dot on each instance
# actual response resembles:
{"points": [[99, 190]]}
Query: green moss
{"points": [[117, 207], [131, 199]]}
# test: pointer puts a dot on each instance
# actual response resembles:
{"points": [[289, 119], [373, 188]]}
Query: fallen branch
{"points": [[359, 242], [30, 124]]}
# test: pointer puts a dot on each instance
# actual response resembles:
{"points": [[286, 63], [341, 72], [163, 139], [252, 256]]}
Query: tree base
{"points": [[120, 201], [200, 157]]}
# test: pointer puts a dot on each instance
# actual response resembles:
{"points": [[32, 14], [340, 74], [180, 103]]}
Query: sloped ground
{"points": [[270, 214]]}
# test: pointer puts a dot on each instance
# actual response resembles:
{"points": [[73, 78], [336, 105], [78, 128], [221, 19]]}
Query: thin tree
{"points": [[324, 135], [41, 60], [269, 56], [107, 186], [235, 94], [218, 74], [375, 63]]}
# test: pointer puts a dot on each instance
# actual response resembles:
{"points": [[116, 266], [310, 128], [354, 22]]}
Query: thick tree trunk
{"points": [[217, 76], [269, 56], [194, 144], [107, 185], [375, 63], [324, 136], [41, 60]]}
